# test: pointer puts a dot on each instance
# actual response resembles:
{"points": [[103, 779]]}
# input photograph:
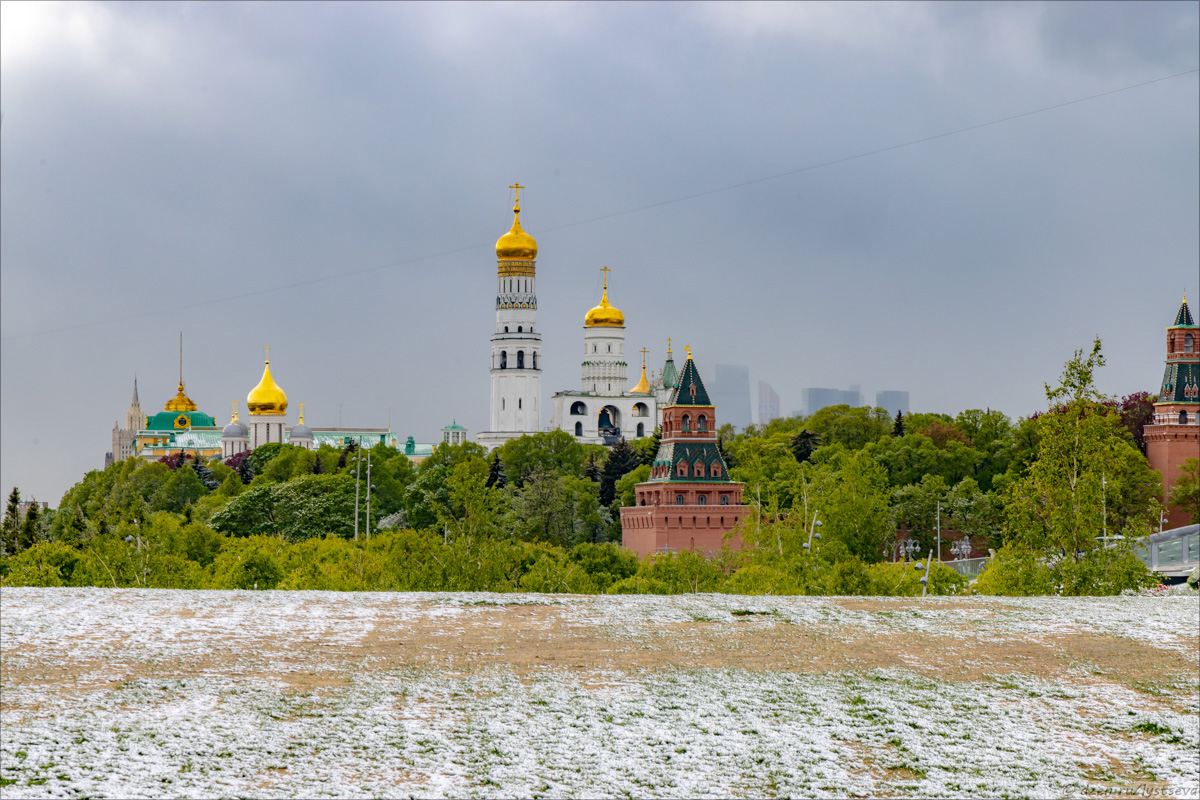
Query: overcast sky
{"points": [[330, 179]]}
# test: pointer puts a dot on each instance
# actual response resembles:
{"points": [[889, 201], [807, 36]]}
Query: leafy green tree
{"points": [[553, 451], [429, 490], [473, 511], [544, 509], [976, 513], [918, 505], [852, 501], [605, 563], [1060, 504], [625, 492], [1186, 492], [854, 428], [181, 489]]}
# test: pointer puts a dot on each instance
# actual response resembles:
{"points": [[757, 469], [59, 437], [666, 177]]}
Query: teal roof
{"points": [[1181, 383], [339, 439], [165, 420], [690, 391], [671, 453], [1184, 318], [454, 426], [669, 374]]}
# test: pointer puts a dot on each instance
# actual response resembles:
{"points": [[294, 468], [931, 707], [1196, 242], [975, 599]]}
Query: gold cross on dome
{"points": [[644, 352], [517, 187], [668, 345], [267, 354], [605, 270], [233, 407]]}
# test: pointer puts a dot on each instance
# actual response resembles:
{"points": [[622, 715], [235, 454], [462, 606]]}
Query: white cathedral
{"points": [[602, 410]]}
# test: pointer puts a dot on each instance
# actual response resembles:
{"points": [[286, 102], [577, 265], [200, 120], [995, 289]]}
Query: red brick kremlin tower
{"points": [[1174, 436], [689, 503]]}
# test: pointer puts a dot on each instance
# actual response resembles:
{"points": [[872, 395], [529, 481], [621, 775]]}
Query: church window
{"points": [[520, 329], [520, 359], [610, 348], [641, 410], [702, 423], [679, 502], [518, 402], [503, 359], [535, 360], [593, 348], [1189, 343], [501, 403], [683, 470], [578, 408], [699, 470], [506, 329], [641, 429], [687, 423], [715, 470], [1171, 344], [724, 499], [579, 429], [702, 499], [1183, 418]]}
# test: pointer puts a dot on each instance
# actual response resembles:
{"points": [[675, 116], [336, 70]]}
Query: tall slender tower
{"points": [[1174, 435], [516, 370]]}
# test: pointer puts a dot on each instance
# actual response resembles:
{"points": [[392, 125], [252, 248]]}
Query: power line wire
{"points": [[602, 217]]}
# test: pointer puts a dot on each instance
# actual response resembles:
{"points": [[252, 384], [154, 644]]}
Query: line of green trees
{"points": [[541, 513]]}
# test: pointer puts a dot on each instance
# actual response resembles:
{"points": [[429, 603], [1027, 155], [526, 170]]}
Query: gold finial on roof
{"points": [[302, 413], [688, 348], [668, 347], [233, 416]]}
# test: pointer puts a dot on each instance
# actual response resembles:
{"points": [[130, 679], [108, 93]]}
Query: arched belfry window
{"points": [[687, 423], [579, 429], [702, 423], [503, 359], [520, 329], [1189, 344], [535, 360], [520, 359], [1183, 418]]}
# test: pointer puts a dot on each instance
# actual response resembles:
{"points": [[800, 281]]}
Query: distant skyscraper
{"points": [[892, 400], [816, 399], [731, 391], [768, 403]]}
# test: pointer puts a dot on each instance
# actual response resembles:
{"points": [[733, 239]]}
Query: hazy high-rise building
{"points": [[816, 399], [893, 400], [730, 390], [768, 403]]}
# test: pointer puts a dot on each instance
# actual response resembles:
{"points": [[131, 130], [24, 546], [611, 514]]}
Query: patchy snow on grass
{"points": [[267, 694]]}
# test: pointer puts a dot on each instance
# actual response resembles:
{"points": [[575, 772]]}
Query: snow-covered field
{"points": [[124, 693]]}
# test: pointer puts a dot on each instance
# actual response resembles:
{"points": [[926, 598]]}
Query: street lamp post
{"points": [[357, 472], [816, 523], [1104, 500], [925, 568]]}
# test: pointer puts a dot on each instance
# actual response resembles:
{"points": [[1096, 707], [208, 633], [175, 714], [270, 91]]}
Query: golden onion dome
{"points": [[516, 244], [267, 397], [605, 314], [643, 386]]}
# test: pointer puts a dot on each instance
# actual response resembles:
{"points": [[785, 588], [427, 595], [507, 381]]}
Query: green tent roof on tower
{"points": [[1184, 318], [670, 375], [690, 390]]}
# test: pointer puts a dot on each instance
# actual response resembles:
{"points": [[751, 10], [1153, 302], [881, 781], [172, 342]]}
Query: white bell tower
{"points": [[516, 368]]}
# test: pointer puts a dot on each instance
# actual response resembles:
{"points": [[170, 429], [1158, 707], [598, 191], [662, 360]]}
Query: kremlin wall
{"points": [[689, 502]]}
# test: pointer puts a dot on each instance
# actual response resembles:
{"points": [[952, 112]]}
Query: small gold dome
{"points": [[643, 386], [267, 397], [605, 314], [516, 244], [180, 402]]}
